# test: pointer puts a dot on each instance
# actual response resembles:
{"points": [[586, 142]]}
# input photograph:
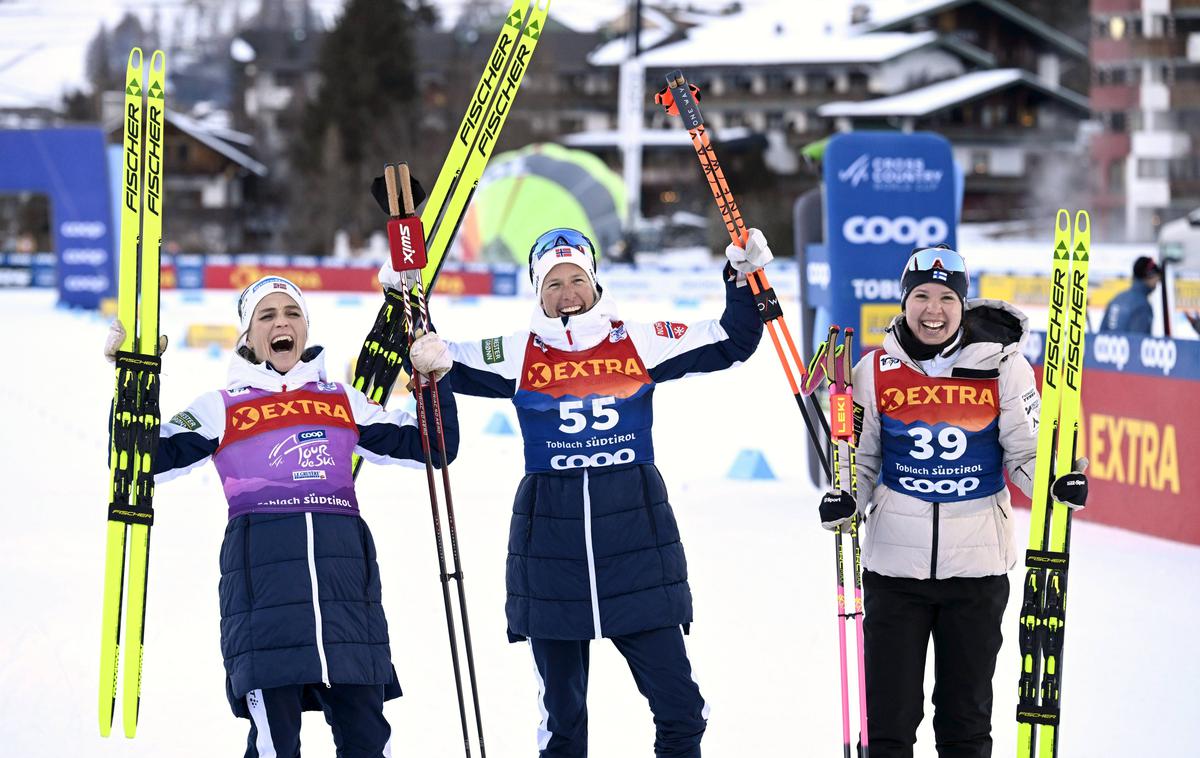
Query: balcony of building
{"points": [[1159, 48]]}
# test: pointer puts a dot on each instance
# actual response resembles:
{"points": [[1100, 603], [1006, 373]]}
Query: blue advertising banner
{"points": [[69, 166], [1130, 353], [885, 194]]}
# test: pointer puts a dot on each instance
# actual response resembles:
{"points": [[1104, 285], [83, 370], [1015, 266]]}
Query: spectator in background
{"points": [[1130, 311]]}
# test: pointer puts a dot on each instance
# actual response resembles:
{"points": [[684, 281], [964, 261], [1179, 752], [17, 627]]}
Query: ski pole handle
{"points": [[406, 237]]}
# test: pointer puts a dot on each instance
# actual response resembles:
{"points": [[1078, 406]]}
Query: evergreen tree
{"points": [[365, 114]]}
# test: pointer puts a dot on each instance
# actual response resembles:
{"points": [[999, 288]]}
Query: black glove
{"points": [[1071, 489], [836, 509], [379, 192]]}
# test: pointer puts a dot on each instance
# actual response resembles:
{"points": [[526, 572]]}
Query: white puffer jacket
{"points": [[908, 537]]}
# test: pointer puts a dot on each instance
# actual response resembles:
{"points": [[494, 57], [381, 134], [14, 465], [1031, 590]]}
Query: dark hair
{"points": [[1145, 267]]}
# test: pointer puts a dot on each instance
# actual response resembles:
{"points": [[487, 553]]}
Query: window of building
{"points": [[1116, 27], [819, 84], [979, 161], [1151, 168], [735, 118], [741, 83], [1116, 176]]}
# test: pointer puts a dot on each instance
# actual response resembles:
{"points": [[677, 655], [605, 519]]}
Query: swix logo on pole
{"points": [[406, 241]]}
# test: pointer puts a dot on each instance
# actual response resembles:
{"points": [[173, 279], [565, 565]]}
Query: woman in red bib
{"points": [[947, 406]]}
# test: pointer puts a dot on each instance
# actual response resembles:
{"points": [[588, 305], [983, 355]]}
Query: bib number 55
{"points": [[602, 418]]}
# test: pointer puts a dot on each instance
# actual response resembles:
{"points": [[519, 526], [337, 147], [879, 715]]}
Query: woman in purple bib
{"points": [[302, 622]]}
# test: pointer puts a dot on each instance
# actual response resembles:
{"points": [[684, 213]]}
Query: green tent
{"points": [[525, 192]]}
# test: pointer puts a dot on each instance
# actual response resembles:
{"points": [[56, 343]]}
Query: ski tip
{"points": [[135, 58], [1063, 220], [158, 62], [675, 78], [1083, 221]]}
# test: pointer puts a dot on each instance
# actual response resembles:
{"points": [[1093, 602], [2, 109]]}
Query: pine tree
{"points": [[365, 113]]}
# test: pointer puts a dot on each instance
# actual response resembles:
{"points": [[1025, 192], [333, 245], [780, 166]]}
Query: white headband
{"points": [[563, 254], [253, 295]]}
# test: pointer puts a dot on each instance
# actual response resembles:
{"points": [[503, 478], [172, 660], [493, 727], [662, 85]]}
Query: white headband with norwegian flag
{"points": [[563, 254], [253, 295]]}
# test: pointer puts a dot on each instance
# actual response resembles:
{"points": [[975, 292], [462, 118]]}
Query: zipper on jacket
{"points": [[591, 557], [316, 603], [933, 558]]}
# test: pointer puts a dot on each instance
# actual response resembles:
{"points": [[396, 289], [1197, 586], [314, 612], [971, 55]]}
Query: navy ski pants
{"points": [[662, 672], [963, 616], [353, 711]]}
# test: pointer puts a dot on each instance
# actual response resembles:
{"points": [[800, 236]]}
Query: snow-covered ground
{"points": [[764, 643]]}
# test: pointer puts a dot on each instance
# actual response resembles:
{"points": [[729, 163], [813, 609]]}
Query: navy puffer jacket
{"points": [[300, 592], [640, 569], [268, 618]]}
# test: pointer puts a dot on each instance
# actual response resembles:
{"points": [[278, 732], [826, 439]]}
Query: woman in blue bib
{"points": [[593, 548], [948, 405]]}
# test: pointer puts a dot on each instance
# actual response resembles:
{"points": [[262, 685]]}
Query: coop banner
{"points": [[886, 193]]}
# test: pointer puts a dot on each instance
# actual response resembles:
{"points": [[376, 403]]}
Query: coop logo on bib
{"points": [[960, 487]]}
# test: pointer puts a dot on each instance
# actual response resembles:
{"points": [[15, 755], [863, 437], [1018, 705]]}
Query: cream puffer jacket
{"points": [[909, 537]]}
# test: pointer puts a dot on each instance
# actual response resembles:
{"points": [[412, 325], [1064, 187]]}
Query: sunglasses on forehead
{"points": [[935, 258], [555, 239]]}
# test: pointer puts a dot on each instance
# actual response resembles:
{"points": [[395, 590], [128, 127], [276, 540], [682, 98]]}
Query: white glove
{"points": [[389, 277], [755, 255], [112, 343], [430, 356], [116, 336]]}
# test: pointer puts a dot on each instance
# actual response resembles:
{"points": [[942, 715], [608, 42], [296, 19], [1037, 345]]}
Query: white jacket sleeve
{"points": [[868, 455], [1020, 409]]}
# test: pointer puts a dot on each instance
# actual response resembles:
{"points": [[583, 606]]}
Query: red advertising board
{"points": [[1141, 435], [238, 277]]}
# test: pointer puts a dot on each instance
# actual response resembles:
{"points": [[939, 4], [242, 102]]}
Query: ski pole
{"points": [[681, 98], [845, 376], [837, 434], [408, 258], [839, 372]]}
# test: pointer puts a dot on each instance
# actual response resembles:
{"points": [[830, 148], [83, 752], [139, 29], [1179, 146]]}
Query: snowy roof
{"points": [[773, 35], [657, 28], [208, 138], [651, 137], [892, 14], [782, 47], [936, 97]]}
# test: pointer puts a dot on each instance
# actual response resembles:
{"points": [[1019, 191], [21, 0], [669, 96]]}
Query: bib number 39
{"points": [[602, 417], [951, 443]]}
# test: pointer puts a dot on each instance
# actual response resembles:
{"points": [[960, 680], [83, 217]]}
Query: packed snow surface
{"points": [[764, 642]]}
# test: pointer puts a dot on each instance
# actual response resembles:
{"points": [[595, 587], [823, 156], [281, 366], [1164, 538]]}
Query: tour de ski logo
{"points": [[311, 450]]}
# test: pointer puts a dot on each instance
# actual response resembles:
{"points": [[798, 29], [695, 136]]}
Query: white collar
{"points": [[243, 373], [580, 332]]}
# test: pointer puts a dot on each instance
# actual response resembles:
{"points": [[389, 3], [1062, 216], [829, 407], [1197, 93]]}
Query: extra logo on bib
{"points": [[940, 436], [278, 411]]}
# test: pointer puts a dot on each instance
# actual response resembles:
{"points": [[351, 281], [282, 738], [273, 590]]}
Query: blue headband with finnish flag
{"points": [[935, 264]]}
